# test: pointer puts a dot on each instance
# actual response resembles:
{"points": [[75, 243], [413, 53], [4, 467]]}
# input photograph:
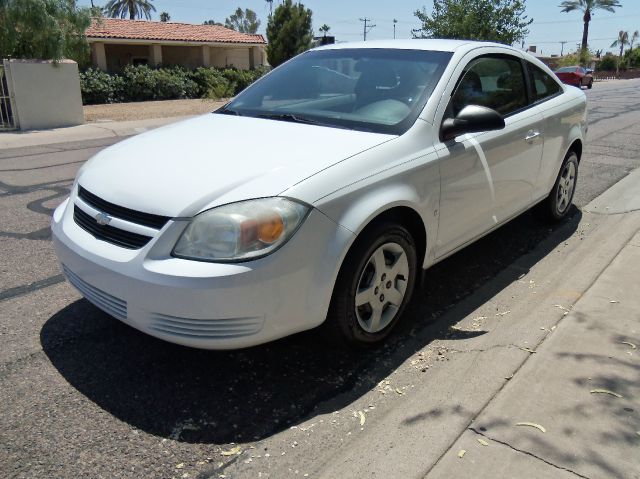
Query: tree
{"points": [[96, 10], [501, 21], [165, 17], [243, 21], [212, 22], [622, 41], [44, 29], [289, 32], [324, 29], [587, 7], [633, 40], [133, 8]]}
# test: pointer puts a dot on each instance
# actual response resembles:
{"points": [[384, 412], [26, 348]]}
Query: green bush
{"points": [[609, 62], [212, 83], [633, 58], [97, 87], [142, 83]]}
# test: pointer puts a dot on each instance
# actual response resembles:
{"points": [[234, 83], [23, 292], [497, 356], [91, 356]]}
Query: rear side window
{"points": [[493, 82], [543, 85]]}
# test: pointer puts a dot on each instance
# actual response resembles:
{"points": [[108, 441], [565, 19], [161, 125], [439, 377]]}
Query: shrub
{"points": [[608, 63], [212, 83], [142, 83], [98, 87]]}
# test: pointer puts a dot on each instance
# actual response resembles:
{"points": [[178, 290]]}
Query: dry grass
{"points": [[149, 109]]}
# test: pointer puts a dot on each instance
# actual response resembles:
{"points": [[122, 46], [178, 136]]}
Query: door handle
{"points": [[532, 135]]}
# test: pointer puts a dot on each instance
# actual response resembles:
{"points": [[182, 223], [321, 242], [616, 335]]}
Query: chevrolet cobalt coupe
{"points": [[320, 192]]}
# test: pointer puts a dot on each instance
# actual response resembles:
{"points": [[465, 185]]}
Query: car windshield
{"points": [[566, 70], [378, 90]]}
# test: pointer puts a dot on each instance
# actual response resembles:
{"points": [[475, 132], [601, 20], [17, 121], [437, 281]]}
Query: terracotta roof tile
{"points": [[168, 31]]}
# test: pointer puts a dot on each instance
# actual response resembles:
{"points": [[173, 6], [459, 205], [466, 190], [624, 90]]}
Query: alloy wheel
{"points": [[566, 185], [381, 288]]}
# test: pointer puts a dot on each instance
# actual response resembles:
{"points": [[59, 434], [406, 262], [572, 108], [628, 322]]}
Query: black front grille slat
{"points": [[108, 233], [138, 217]]}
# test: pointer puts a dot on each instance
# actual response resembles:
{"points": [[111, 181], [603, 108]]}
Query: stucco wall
{"points": [[188, 57], [46, 95], [225, 57]]}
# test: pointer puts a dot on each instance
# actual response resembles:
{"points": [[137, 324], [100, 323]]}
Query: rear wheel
{"points": [[590, 85], [558, 204], [374, 286]]}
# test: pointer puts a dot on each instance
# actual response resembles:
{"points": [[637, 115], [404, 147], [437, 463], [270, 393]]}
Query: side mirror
{"points": [[472, 119]]}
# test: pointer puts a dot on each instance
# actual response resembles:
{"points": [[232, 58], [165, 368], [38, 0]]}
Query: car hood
{"points": [[181, 169]]}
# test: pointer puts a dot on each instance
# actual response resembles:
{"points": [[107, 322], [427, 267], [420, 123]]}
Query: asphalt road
{"points": [[84, 395]]}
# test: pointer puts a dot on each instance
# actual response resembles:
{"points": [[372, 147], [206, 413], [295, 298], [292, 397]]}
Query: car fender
{"points": [[356, 210]]}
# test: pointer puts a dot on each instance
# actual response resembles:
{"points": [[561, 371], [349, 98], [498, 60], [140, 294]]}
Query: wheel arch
{"points": [[576, 146]]}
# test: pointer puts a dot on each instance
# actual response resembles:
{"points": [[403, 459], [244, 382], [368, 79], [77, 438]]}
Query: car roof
{"points": [[416, 44]]}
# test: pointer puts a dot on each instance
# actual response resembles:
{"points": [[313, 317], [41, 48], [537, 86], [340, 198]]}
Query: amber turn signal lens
{"points": [[270, 229]]}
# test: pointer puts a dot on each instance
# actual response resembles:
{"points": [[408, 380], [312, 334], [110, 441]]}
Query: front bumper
{"points": [[205, 305]]}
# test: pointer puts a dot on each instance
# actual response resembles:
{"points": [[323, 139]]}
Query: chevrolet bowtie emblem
{"points": [[103, 219]]}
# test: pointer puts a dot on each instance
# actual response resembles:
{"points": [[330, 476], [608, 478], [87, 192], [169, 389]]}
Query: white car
{"points": [[320, 192]]}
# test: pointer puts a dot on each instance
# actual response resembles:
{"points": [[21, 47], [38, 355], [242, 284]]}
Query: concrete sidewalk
{"points": [[88, 131], [581, 385]]}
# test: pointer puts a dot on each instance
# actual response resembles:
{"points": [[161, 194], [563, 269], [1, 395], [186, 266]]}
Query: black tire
{"points": [[557, 205], [345, 322], [590, 85]]}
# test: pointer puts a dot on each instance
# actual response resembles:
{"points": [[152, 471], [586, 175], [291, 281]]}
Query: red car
{"points": [[576, 76]]}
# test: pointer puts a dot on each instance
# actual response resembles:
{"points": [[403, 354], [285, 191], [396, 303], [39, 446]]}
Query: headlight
{"points": [[241, 231]]}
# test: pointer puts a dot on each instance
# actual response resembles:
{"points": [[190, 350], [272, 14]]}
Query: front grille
{"points": [[108, 233], [138, 217], [205, 328], [109, 304]]}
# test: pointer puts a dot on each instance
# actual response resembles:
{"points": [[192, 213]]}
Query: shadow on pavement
{"points": [[240, 396]]}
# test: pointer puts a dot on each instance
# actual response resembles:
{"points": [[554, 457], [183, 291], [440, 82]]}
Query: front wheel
{"points": [[374, 285], [557, 205]]}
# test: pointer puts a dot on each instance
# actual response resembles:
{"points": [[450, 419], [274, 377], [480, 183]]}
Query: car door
{"points": [[487, 178]]}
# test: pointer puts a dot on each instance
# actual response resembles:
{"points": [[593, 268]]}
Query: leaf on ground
{"points": [[527, 350], [461, 453], [483, 442], [503, 314], [232, 452], [633, 346], [613, 301], [180, 466], [532, 424], [362, 418], [605, 391], [399, 391]]}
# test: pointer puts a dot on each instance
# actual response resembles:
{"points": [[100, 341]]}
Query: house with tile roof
{"points": [[116, 43]]}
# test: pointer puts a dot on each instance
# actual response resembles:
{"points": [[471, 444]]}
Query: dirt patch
{"points": [[149, 109]]}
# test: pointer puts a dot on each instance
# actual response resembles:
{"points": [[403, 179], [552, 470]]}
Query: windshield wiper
{"points": [[227, 111], [291, 117]]}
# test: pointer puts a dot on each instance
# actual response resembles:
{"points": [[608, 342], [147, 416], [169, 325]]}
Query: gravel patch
{"points": [[149, 109]]}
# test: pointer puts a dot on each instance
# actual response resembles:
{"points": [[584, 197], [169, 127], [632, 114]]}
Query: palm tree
{"points": [[622, 41], [634, 39], [325, 29], [587, 7], [135, 8], [165, 17]]}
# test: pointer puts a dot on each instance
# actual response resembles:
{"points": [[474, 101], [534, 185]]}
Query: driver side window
{"points": [[494, 82]]}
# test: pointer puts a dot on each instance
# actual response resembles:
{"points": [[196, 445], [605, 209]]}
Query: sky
{"points": [[549, 28]]}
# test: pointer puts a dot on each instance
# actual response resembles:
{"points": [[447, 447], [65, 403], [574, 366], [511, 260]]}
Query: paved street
{"points": [[84, 395]]}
